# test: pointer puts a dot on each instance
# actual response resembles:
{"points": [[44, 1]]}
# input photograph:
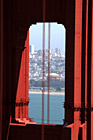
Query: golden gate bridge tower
{"points": [[15, 19]]}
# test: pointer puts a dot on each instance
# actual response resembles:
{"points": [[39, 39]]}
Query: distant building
{"points": [[39, 52], [54, 76], [31, 49], [57, 50]]}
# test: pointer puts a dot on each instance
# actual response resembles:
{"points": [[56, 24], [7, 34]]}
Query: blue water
{"points": [[56, 108]]}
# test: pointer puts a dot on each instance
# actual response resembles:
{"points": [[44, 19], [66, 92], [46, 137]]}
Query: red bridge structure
{"points": [[16, 16]]}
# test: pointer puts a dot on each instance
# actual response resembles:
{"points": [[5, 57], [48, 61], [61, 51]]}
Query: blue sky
{"points": [[58, 34]]}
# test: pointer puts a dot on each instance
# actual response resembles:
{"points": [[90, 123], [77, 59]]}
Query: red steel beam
{"points": [[21, 108], [78, 50], [77, 66]]}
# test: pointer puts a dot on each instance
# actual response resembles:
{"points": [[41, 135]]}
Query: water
{"points": [[56, 108]]}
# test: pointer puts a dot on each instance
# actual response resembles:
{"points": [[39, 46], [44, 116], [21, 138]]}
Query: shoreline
{"points": [[51, 93]]}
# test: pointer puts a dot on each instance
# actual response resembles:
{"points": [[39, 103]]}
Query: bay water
{"points": [[56, 108]]}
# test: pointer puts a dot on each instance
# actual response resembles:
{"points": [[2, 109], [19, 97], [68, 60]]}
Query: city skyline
{"points": [[57, 64], [57, 35], [32, 50]]}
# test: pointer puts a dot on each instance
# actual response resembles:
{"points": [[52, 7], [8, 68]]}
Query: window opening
{"points": [[57, 73]]}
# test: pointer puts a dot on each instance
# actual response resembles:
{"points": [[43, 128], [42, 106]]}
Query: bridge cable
{"points": [[48, 103], [43, 69]]}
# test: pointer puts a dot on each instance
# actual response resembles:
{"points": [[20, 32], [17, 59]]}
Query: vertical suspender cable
{"points": [[43, 69], [43, 82], [48, 104]]}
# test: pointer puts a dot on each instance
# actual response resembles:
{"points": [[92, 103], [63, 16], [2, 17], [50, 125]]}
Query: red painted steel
{"points": [[78, 50], [21, 108], [82, 131], [77, 66], [71, 131]]}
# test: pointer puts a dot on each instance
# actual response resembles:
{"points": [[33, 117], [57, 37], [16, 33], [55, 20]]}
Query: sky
{"points": [[57, 36]]}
